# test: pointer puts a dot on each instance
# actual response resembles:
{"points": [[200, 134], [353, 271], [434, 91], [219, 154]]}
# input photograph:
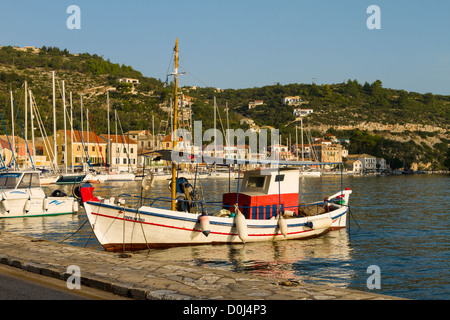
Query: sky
{"points": [[250, 43]]}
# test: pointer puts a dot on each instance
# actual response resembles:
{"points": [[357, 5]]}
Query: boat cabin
{"points": [[19, 180], [263, 191]]}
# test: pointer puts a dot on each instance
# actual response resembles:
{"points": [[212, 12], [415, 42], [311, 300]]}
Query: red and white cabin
{"points": [[263, 191]]}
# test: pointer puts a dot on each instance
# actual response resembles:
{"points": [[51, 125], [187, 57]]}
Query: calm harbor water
{"points": [[402, 226]]}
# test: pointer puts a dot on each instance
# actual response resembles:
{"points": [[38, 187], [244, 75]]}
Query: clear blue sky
{"points": [[251, 43]]}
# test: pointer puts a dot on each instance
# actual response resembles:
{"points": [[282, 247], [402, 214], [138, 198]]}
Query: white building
{"points": [[123, 153], [128, 80], [255, 103], [369, 163], [354, 166], [381, 164], [302, 112], [295, 100]]}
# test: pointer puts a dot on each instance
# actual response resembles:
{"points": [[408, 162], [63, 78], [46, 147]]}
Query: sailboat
{"points": [[265, 208]]}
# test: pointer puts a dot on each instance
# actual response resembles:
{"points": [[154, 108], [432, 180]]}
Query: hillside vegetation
{"points": [[406, 128]]}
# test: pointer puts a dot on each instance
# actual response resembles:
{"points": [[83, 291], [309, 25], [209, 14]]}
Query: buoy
{"points": [[204, 224], [322, 223], [27, 205], [5, 205], [282, 225], [45, 203], [241, 225]]}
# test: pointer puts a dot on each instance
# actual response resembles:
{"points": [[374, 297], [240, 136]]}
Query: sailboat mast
{"points": [[12, 124], [65, 125], [32, 126], [71, 134], [26, 120], [109, 135], [175, 126]]}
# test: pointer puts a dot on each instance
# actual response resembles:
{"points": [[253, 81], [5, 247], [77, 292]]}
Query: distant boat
{"points": [[110, 176], [22, 196], [70, 178], [221, 174], [310, 173]]}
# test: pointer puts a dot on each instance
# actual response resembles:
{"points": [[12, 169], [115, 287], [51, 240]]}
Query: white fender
{"points": [[282, 225], [241, 226], [204, 224], [5, 205], [27, 205], [322, 223], [75, 206]]}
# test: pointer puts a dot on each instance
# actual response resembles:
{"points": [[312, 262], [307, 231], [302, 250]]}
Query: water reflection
{"points": [[306, 260]]}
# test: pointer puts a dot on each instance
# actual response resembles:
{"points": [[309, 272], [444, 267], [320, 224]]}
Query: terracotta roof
{"points": [[82, 136], [118, 139]]}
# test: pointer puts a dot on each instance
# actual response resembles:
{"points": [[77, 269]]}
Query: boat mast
{"points": [[175, 126], [12, 125], [108, 158], [55, 162], [26, 121], [71, 134], [65, 135], [32, 126]]}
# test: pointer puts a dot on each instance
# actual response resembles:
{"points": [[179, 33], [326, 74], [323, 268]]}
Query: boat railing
{"points": [[260, 212]]}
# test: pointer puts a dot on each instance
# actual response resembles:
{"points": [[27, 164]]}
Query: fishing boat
{"points": [[265, 207], [22, 196]]}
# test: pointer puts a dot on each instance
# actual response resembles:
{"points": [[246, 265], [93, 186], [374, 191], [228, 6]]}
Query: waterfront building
{"points": [[369, 163], [79, 146], [327, 152], [354, 166], [123, 152]]}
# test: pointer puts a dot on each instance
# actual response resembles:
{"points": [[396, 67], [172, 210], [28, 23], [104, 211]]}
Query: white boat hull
{"points": [[221, 175], [118, 227], [310, 174], [109, 177]]}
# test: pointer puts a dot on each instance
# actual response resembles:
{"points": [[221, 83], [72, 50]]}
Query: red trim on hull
{"points": [[196, 230]]}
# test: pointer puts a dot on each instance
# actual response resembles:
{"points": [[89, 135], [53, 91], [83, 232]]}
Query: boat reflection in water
{"points": [[325, 259]]}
